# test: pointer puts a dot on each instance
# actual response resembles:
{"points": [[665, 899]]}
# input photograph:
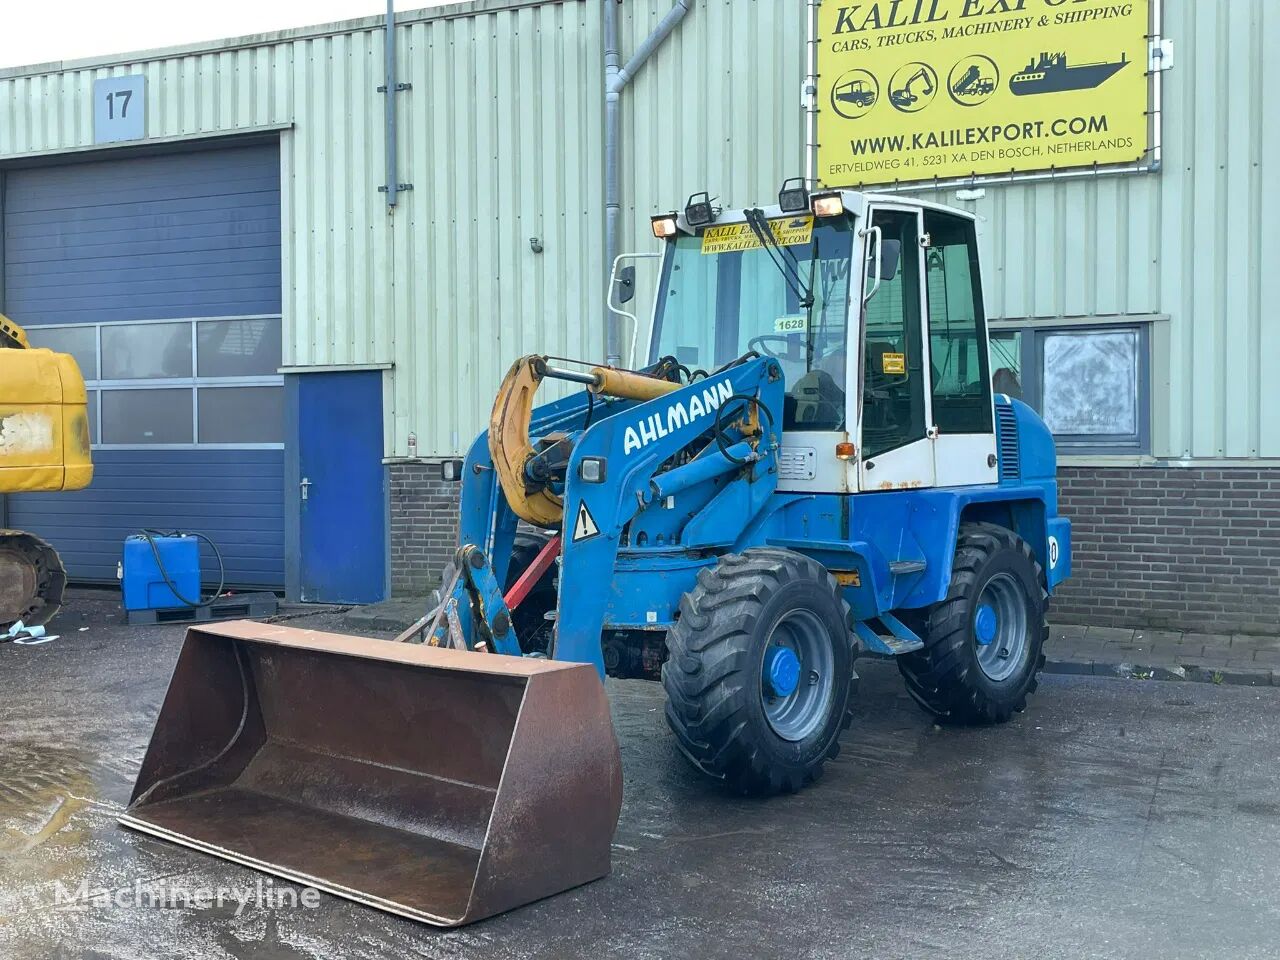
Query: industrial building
{"points": [[285, 329]]}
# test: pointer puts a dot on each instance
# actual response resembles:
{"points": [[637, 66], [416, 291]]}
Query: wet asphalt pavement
{"points": [[1113, 819]]}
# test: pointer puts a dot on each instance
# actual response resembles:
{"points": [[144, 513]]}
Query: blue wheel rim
{"points": [[797, 676], [1000, 627]]}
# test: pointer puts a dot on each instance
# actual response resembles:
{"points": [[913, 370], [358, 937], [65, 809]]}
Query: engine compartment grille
{"points": [[1007, 442]]}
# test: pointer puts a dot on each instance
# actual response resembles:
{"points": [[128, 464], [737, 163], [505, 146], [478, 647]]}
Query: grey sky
{"points": [[37, 31]]}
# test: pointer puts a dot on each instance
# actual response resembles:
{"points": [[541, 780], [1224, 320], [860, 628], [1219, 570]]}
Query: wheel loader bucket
{"points": [[441, 785]]}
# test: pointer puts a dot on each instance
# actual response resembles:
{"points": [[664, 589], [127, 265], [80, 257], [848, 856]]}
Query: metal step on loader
{"points": [[809, 464]]}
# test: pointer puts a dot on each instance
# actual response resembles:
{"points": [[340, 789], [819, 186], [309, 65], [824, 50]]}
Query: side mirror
{"points": [[621, 290], [626, 282], [890, 254]]}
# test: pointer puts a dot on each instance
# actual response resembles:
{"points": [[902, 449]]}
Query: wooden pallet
{"points": [[241, 606]]}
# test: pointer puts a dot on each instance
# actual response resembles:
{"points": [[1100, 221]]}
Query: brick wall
{"points": [[424, 527], [1191, 549]]}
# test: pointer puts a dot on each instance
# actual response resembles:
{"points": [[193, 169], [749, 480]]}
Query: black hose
{"points": [[720, 441], [150, 535]]}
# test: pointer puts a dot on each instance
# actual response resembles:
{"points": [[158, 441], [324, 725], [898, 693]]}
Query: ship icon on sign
{"points": [[1050, 73]]}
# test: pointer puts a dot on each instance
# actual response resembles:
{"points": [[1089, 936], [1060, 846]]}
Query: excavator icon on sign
{"points": [[913, 86]]}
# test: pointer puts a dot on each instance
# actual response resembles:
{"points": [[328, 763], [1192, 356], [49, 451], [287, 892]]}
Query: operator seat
{"points": [[819, 401]]}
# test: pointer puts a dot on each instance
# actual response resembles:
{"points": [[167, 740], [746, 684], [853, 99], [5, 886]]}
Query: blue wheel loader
{"points": [[808, 463]]}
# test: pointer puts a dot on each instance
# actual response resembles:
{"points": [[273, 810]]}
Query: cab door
{"points": [[895, 416], [964, 447]]}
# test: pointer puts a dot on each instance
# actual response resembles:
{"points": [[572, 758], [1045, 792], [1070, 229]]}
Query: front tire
{"points": [[984, 644], [759, 670]]}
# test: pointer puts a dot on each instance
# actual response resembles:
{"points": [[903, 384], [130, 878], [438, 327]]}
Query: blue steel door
{"points": [[342, 496]]}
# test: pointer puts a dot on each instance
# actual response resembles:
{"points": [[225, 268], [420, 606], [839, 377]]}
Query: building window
{"points": [[146, 416], [178, 383], [238, 348], [146, 351], [1090, 384], [241, 414]]}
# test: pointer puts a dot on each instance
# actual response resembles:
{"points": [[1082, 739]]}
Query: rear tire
{"points": [[761, 731], [984, 644]]}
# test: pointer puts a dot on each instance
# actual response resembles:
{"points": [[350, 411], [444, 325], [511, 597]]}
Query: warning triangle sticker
{"points": [[584, 526]]}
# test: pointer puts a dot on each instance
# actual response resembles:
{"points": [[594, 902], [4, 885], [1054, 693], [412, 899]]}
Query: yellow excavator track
{"points": [[32, 579]]}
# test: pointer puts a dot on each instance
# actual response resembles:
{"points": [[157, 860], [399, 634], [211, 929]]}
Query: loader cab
{"points": [[875, 315]]}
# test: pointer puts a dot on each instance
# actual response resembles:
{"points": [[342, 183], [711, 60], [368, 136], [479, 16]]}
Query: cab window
{"points": [[716, 304], [957, 326]]}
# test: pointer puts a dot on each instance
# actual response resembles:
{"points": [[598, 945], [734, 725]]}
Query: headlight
{"points": [[664, 226], [592, 469], [827, 205]]}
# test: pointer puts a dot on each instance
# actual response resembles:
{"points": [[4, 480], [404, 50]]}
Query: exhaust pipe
{"points": [[441, 785]]}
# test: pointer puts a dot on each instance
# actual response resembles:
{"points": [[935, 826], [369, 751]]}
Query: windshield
{"points": [[720, 296]]}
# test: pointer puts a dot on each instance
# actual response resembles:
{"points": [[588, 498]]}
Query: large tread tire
{"points": [[32, 579], [712, 675], [532, 627], [945, 677]]}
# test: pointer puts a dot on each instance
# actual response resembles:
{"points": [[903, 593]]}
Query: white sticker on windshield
{"points": [[790, 324]]}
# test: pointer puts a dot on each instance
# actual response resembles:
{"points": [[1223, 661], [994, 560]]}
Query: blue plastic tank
{"points": [[141, 582]]}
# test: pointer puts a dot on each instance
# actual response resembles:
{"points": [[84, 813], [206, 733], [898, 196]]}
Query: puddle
{"points": [[41, 789]]}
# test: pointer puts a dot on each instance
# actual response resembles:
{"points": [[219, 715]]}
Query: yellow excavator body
{"points": [[44, 447]]}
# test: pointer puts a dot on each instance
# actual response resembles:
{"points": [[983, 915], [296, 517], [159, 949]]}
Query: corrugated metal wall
{"points": [[1194, 242], [501, 138]]}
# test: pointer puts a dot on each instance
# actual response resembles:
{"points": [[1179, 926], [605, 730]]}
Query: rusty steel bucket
{"points": [[441, 785]]}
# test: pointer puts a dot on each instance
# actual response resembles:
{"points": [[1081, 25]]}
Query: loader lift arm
{"points": [[522, 467], [653, 441]]}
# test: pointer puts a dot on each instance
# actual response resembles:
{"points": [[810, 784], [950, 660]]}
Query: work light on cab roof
{"points": [[698, 211], [793, 197], [664, 225], [827, 204]]}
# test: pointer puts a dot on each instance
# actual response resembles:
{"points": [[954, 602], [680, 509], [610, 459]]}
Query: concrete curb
{"points": [[1228, 675], [1153, 657]]}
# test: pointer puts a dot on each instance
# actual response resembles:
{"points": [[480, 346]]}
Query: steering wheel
{"points": [[758, 344]]}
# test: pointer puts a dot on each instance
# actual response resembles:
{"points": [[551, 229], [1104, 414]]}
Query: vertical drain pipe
{"points": [[810, 96], [389, 89], [616, 79]]}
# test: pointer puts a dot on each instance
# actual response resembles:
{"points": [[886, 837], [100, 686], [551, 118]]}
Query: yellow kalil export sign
{"points": [[941, 89]]}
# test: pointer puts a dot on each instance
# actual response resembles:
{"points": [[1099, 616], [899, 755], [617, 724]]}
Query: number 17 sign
{"points": [[119, 109]]}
